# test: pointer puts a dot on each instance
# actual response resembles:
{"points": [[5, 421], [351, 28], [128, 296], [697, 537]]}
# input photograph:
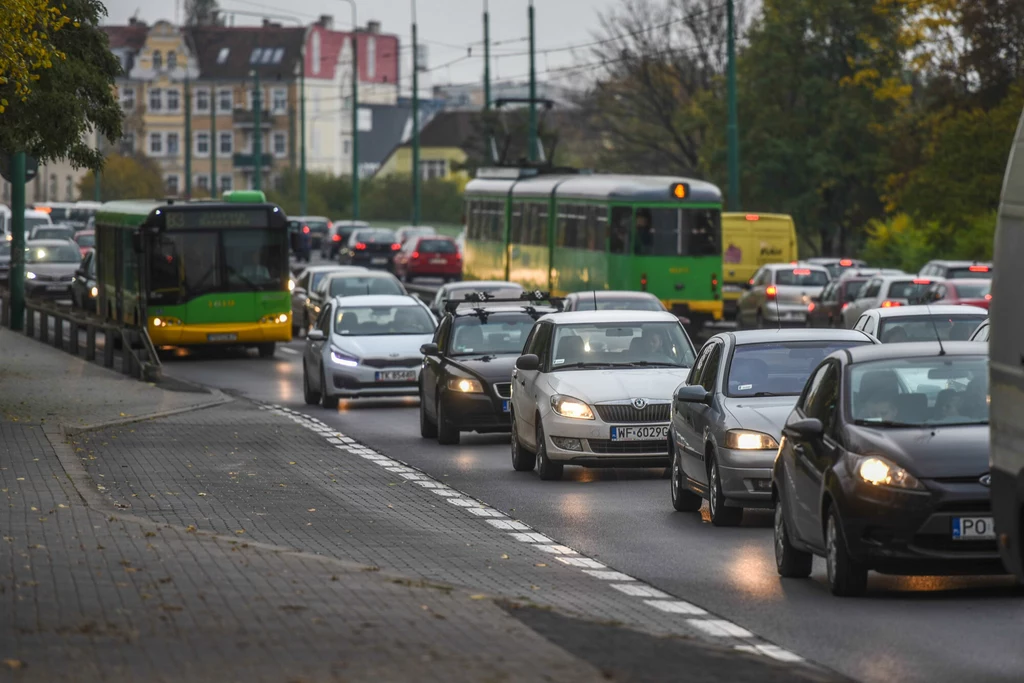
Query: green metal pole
{"points": [[97, 175], [213, 141], [302, 135], [415, 123], [732, 129], [355, 116], [532, 152], [487, 57], [17, 281], [188, 135], [257, 133]]}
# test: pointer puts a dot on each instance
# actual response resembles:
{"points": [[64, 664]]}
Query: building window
{"points": [[172, 59], [172, 185], [371, 58], [202, 100], [203, 144], [158, 60], [128, 99], [128, 143], [433, 168], [156, 102], [225, 99], [203, 182], [172, 100], [280, 145], [222, 56], [280, 101], [249, 99], [226, 143], [226, 183], [345, 144], [69, 189], [156, 144], [52, 194], [173, 145]]}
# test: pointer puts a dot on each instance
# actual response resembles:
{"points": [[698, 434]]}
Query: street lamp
{"points": [[415, 122], [355, 111]]}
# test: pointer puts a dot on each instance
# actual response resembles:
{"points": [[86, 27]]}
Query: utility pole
{"points": [[355, 111], [732, 129], [213, 141], [188, 134], [415, 122], [257, 132], [303, 198], [532, 152], [487, 57], [17, 281]]}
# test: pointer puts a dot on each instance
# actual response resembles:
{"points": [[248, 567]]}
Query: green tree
{"points": [[202, 13], [26, 45], [72, 98], [125, 177]]}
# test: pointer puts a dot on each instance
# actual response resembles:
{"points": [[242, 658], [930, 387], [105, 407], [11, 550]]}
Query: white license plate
{"points": [[640, 433], [395, 376], [222, 337], [55, 288], [973, 529], [438, 261], [378, 261]]}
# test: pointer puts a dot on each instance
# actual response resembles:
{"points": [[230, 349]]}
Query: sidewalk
{"points": [[230, 542]]}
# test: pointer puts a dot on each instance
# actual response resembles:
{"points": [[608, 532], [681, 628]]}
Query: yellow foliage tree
{"points": [[26, 48]]}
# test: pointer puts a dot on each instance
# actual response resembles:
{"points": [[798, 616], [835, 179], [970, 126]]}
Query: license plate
{"points": [[378, 261], [973, 529], [395, 376], [504, 406], [438, 261], [222, 337], [640, 433], [55, 288]]}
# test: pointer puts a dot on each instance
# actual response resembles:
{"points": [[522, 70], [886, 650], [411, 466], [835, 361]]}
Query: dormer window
{"points": [[222, 56], [158, 60]]}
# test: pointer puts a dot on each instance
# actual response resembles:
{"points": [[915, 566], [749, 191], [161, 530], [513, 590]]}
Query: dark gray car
{"points": [[50, 267], [727, 418]]}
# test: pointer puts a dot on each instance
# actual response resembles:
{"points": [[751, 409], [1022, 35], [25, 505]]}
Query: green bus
{"points": [[196, 273], [573, 232]]}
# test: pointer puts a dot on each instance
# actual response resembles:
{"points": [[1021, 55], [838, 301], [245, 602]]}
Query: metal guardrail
{"points": [[138, 355]]}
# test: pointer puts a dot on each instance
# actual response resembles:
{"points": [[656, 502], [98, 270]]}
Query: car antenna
{"points": [[594, 292], [938, 337]]}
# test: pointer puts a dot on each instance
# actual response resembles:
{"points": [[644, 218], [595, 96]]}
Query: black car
{"points": [[370, 247], [83, 287], [883, 466], [466, 380], [337, 237]]}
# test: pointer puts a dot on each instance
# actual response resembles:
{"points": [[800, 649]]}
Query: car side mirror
{"points": [[429, 349], [805, 428], [315, 335], [79, 273], [529, 361], [693, 393]]}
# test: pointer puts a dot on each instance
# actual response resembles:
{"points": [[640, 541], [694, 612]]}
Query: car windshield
{"points": [[437, 247], [5, 249], [354, 285], [53, 234], [625, 344], [637, 303], [802, 277], [382, 321], [970, 273], [317, 226], [973, 290], [485, 335], [86, 240], [375, 236], [907, 289], [64, 253], [777, 368], [919, 391], [33, 221], [922, 328]]}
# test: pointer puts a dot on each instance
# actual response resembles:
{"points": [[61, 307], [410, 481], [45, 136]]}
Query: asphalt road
{"points": [[907, 629]]}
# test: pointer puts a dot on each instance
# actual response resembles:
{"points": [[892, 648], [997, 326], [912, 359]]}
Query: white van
{"points": [[1006, 365]]}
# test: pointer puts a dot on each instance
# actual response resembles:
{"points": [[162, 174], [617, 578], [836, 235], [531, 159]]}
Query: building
{"points": [[442, 148], [471, 96]]}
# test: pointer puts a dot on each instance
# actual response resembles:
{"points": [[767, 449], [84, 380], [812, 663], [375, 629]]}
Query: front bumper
{"points": [[47, 290], [362, 382], [746, 476], [481, 413], [596, 447], [223, 334]]}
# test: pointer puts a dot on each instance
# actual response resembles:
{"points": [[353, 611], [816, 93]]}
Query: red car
{"points": [[429, 257], [86, 240], [966, 292]]}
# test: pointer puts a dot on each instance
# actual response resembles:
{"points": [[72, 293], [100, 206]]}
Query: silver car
{"points": [[779, 294], [50, 267], [307, 281], [886, 291], [727, 418], [365, 346]]}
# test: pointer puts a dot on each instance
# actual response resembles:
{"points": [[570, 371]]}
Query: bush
{"points": [[901, 242]]}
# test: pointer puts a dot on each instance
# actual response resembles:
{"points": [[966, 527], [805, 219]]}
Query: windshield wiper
{"points": [[765, 393], [592, 364], [887, 423], [652, 364]]}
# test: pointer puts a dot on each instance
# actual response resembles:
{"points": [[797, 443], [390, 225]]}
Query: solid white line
{"points": [[675, 607], [507, 524], [720, 628], [484, 512]]}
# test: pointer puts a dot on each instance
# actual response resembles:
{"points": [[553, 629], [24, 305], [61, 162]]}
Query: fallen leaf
{"points": [[291, 462], [539, 564], [201, 493], [239, 531], [504, 556], [14, 664], [191, 528], [478, 596], [311, 510]]}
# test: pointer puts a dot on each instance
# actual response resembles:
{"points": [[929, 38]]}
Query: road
{"points": [[909, 629]]}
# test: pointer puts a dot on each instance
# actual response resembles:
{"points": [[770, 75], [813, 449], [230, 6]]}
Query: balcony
{"points": [[247, 160], [244, 117]]}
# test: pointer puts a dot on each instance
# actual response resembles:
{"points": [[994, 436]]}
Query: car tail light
{"points": [[922, 282], [415, 254], [988, 297], [978, 269], [802, 271], [753, 217], [360, 246], [845, 262], [396, 246], [714, 285], [335, 237], [846, 305], [810, 307], [770, 291], [643, 282], [890, 304], [305, 229]]}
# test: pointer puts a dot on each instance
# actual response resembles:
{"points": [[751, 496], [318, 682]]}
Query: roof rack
{"points": [[479, 299]]}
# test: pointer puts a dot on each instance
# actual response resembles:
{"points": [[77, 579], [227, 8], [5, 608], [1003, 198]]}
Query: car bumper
{"points": [[374, 260], [746, 476], [433, 271], [476, 412], [228, 334], [363, 382], [784, 313], [49, 290], [595, 447]]}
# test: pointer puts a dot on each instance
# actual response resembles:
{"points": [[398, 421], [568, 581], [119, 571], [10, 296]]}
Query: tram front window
{"points": [[677, 232]]}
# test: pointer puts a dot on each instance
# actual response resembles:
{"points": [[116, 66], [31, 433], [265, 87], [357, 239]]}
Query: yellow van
{"points": [[749, 241]]}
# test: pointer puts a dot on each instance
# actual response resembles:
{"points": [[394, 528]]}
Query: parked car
{"points": [[84, 291], [458, 290], [85, 239], [901, 324], [337, 237], [437, 257], [728, 415], [613, 300], [877, 471], [307, 281], [594, 388], [50, 267], [407, 232], [349, 283], [957, 270], [372, 247], [779, 294], [365, 346], [835, 266], [885, 291], [966, 292]]}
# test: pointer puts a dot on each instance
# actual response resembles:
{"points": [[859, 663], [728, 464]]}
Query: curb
{"points": [[220, 398]]}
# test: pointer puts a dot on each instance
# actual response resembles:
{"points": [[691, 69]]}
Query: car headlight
{"points": [[465, 385], [291, 285], [746, 440], [343, 359], [94, 292], [274, 318], [29, 275], [878, 471], [567, 406], [164, 321]]}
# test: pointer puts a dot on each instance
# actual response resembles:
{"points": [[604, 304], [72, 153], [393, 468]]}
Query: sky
{"points": [[447, 27]]}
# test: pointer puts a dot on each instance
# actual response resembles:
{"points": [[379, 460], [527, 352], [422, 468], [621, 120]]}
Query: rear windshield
{"points": [[777, 368], [972, 290], [375, 236], [33, 221], [920, 328], [360, 286], [437, 247], [802, 277], [966, 273], [86, 240], [52, 234], [639, 303], [905, 289], [317, 226], [852, 290], [489, 335]]}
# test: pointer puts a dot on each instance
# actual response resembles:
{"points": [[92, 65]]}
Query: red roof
{"points": [[132, 36]]}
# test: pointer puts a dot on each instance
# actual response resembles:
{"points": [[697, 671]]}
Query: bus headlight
{"points": [[275, 318]]}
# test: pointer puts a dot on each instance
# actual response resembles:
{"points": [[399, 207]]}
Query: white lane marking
{"points": [[531, 538], [508, 524], [484, 512], [335, 440], [445, 492], [608, 575], [427, 484], [411, 475], [675, 607], [719, 628], [583, 562], [773, 651], [464, 502], [640, 590], [555, 549]]}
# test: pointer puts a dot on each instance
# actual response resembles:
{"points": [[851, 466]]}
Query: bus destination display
{"points": [[217, 218]]}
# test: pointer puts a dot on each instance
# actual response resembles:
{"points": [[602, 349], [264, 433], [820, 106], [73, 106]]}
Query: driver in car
{"points": [[879, 407]]}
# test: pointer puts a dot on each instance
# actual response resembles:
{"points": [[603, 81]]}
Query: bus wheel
{"points": [[267, 350]]}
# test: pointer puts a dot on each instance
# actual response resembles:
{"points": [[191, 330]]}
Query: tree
{"points": [[27, 28], [201, 13], [125, 177], [72, 98]]}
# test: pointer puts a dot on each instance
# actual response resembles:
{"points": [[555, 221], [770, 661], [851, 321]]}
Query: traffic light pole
{"points": [[188, 135], [213, 141], [487, 57]]}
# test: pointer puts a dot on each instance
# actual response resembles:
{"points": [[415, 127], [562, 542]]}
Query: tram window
{"points": [[540, 225], [516, 232], [600, 228], [622, 219], [676, 232]]}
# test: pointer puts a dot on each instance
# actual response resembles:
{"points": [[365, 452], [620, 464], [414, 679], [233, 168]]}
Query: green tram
{"points": [[574, 232], [196, 273]]}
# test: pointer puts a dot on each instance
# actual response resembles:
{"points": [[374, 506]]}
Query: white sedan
{"points": [[594, 388]]}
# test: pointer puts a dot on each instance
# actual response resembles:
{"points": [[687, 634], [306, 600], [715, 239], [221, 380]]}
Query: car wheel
{"points": [[428, 429], [721, 514], [846, 577], [328, 402], [683, 499], [447, 434], [548, 470], [267, 350], [791, 563], [522, 459], [311, 397]]}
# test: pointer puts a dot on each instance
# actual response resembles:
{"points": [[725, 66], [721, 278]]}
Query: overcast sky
{"points": [[445, 26]]}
